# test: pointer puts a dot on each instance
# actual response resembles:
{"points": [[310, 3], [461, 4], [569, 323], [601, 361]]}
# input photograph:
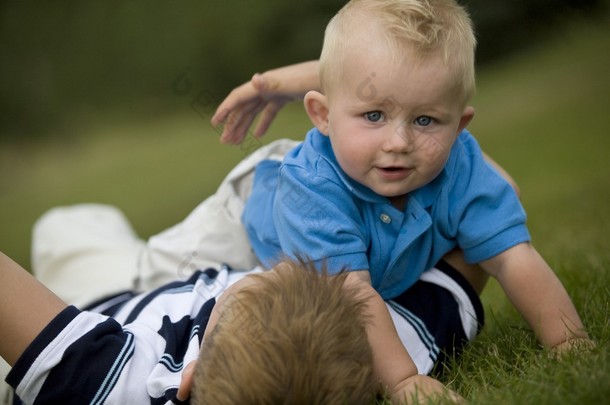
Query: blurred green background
{"points": [[64, 61], [110, 102]]}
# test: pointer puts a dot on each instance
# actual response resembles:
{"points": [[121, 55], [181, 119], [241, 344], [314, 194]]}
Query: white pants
{"points": [[85, 252], [88, 251]]}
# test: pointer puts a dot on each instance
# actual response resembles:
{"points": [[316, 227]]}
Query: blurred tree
{"points": [[506, 25], [62, 60]]}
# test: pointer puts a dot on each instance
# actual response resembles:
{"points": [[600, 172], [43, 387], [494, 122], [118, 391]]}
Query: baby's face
{"points": [[392, 121]]}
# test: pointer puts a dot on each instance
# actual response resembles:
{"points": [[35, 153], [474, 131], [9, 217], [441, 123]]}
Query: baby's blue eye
{"points": [[373, 116], [423, 121]]}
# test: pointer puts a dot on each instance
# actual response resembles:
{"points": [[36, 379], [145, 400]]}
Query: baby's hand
{"points": [[420, 388], [573, 345]]}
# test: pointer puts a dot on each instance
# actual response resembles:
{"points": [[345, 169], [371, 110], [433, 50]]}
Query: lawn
{"points": [[542, 114]]}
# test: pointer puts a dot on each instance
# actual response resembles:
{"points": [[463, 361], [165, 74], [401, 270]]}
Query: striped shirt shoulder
{"points": [[125, 349]]}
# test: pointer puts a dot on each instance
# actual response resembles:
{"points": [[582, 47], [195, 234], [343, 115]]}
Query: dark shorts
{"points": [[437, 317]]}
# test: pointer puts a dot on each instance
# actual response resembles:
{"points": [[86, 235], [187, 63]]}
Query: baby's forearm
{"points": [[555, 319], [297, 79], [391, 362], [536, 292]]}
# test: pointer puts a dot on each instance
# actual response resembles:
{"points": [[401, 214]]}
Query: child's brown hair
{"points": [[296, 336]]}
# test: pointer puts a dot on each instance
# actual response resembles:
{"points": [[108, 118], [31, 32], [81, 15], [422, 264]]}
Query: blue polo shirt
{"points": [[307, 206]]}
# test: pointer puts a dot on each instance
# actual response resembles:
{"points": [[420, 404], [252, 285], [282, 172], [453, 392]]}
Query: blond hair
{"points": [[297, 337], [421, 26]]}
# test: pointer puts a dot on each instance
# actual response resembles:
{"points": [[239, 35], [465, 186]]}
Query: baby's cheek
{"points": [[432, 150]]}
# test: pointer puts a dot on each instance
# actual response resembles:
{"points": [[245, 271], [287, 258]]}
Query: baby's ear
{"points": [[186, 383], [316, 105], [465, 118]]}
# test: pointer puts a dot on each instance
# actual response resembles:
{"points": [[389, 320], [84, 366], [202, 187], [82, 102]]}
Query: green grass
{"points": [[542, 114], [156, 170]]}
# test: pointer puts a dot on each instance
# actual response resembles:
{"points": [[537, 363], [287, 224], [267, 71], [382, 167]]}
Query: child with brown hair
{"points": [[289, 334], [144, 344]]}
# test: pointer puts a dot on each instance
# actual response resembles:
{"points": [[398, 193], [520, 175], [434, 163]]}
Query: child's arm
{"points": [[27, 307], [267, 92], [391, 362], [536, 292]]}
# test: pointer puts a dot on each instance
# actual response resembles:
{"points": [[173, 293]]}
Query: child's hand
{"points": [[241, 107], [265, 94], [576, 344], [419, 388]]}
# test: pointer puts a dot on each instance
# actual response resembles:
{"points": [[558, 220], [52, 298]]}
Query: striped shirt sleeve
{"points": [[77, 359], [135, 356]]}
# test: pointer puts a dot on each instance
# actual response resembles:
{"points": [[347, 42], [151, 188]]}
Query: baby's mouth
{"points": [[395, 172]]}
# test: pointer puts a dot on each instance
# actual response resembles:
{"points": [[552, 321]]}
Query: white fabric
{"points": [[6, 393], [213, 233], [95, 246], [90, 246]]}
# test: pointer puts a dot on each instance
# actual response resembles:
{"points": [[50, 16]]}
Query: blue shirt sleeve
{"points": [[484, 211]]}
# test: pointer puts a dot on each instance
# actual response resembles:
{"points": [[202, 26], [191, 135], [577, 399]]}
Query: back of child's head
{"points": [[297, 337], [418, 28]]}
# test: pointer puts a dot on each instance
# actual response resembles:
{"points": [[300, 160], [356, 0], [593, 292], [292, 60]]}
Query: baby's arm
{"points": [[536, 292], [391, 363], [27, 307], [267, 93]]}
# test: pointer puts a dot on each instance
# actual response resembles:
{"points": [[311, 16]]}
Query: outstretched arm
{"points": [[266, 94], [26, 308], [391, 363]]}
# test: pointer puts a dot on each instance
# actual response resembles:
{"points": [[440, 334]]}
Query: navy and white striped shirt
{"points": [[129, 349]]}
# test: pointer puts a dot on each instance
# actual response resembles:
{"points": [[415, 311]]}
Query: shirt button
{"points": [[385, 218]]}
